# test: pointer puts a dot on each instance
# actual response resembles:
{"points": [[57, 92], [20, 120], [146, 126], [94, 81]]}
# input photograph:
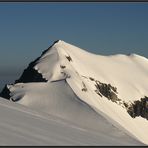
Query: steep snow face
{"points": [[124, 77], [124, 72]]}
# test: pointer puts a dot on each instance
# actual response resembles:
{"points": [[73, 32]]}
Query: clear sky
{"points": [[27, 29]]}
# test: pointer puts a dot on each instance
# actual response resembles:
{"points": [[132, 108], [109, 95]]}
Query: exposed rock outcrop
{"points": [[107, 91], [30, 75], [69, 58], [139, 108], [84, 87], [5, 93]]}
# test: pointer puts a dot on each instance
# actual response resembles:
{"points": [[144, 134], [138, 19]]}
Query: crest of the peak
{"points": [[58, 42], [63, 44]]}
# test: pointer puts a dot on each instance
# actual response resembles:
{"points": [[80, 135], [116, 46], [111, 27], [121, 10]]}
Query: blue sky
{"points": [[27, 29]]}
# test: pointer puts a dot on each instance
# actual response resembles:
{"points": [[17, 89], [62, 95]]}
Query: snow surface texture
{"points": [[20, 125], [65, 65]]}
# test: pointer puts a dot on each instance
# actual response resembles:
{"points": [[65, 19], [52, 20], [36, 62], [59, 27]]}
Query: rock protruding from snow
{"points": [[108, 91], [139, 108], [5, 93]]}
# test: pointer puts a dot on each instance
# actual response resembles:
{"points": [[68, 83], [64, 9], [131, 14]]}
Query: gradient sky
{"points": [[27, 29]]}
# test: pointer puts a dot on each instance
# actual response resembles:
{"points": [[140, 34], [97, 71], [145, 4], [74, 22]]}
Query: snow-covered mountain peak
{"points": [[114, 86]]}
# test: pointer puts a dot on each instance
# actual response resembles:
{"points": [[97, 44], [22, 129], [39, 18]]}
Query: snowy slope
{"points": [[20, 125], [73, 77]]}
